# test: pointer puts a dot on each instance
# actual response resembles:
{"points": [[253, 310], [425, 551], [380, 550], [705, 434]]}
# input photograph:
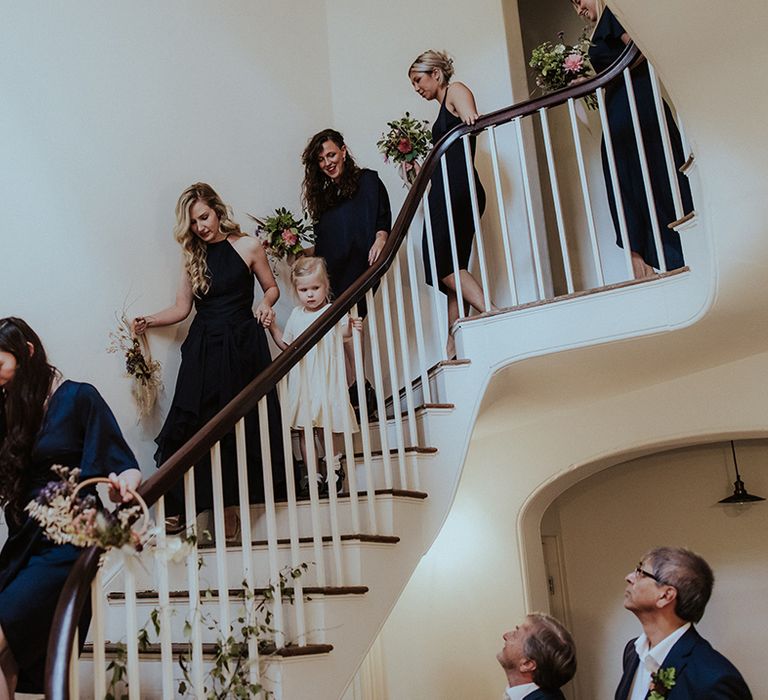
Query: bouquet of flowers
{"points": [[557, 65], [406, 143], [139, 365], [70, 518], [283, 235]]}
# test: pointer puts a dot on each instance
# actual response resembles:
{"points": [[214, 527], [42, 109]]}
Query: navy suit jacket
{"points": [[701, 673], [545, 695]]}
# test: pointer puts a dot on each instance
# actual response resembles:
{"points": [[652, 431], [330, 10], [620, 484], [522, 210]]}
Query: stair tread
{"points": [[362, 537], [411, 449], [238, 592], [209, 649]]}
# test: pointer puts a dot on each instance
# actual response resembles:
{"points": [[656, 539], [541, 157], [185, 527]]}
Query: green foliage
{"points": [[407, 140], [283, 235], [661, 683]]}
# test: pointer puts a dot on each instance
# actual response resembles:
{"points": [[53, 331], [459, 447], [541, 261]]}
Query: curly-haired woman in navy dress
{"points": [[352, 218], [44, 421], [608, 42], [430, 75]]}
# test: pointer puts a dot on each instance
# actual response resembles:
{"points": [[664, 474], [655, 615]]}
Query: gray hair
{"points": [[689, 574], [551, 646]]}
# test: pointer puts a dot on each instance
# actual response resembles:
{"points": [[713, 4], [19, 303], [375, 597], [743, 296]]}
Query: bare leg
{"points": [[9, 671], [640, 268], [471, 290], [231, 522]]}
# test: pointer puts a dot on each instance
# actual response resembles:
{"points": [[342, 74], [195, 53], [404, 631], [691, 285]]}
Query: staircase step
{"points": [[358, 537], [239, 594], [413, 449], [209, 650]]}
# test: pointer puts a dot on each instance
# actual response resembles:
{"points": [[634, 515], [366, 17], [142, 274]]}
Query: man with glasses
{"points": [[538, 657], [668, 591]]}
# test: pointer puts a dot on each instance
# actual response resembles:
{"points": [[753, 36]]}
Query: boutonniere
{"points": [[661, 683]]}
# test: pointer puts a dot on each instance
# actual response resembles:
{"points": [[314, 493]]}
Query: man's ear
{"points": [[31, 349], [527, 665], [667, 597]]}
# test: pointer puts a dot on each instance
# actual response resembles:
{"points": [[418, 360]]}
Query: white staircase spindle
{"points": [[406, 357], [193, 584], [97, 625], [164, 601], [349, 447], [132, 635], [669, 157], [74, 668], [502, 215], [365, 433], [436, 294], [271, 516], [476, 220], [556, 197], [585, 193], [393, 381], [293, 521], [529, 209], [646, 173], [314, 496], [413, 284], [222, 577], [452, 236], [333, 508], [623, 233]]}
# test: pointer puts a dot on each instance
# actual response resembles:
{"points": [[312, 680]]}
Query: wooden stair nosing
{"points": [[209, 649], [361, 537], [238, 593], [412, 449]]}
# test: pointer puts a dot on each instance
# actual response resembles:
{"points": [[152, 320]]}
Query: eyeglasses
{"points": [[640, 571]]}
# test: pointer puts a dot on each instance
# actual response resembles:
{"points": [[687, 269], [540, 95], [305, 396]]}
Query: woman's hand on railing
{"points": [[122, 485], [581, 79]]}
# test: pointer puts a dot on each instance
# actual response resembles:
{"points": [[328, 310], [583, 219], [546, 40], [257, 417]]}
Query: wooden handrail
{"points": [[77, 587]]}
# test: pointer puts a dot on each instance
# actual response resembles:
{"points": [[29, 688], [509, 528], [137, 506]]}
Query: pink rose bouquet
{"points": [[406, 144], [283, 235]]}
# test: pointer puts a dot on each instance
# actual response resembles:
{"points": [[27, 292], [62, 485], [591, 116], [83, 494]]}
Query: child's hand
{"points": [[357, 322]]}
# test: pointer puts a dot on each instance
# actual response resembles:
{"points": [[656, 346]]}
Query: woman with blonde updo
{"points": [[430, 74], [226, 346]]}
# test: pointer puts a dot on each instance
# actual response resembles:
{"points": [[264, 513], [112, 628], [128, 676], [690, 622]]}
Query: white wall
{"points": [[109, 112], [609, 520]]}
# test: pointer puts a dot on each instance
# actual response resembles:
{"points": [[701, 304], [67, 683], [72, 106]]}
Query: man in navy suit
{"points": [[668, 591], [538, 657]]}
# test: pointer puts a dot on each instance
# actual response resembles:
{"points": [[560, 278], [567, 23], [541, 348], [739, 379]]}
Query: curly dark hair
{"points": [[22, 406], [319, 192]]}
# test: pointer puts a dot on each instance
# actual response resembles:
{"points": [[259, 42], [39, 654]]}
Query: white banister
{"points": [[669, 156], [619, 202], [99, 655], [349, 447], [502, 215], [436, 296], [222, 577], [529, 209], [476, 220], [452, 236], [132, 635], [649, 195], [413, 283], [164, 601], [585, 193], [556, 197], [193, 583], [406, 356]]}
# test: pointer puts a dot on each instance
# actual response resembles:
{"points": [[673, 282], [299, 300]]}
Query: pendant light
{"points": [[740, 494]]}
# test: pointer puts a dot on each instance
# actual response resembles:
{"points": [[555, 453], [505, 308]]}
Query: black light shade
{"points": [[740, 494]]}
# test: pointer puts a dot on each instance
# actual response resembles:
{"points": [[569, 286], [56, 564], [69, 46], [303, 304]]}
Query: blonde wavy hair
{"points": [[308, 265], [193, 248], [431, 59]]}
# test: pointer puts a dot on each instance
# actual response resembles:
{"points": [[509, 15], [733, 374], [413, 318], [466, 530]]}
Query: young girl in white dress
{"points": [[325, 381]]}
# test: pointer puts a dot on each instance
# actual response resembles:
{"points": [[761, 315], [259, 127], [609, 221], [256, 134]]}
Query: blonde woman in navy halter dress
{"points": [[430, 75], [225, 349]]}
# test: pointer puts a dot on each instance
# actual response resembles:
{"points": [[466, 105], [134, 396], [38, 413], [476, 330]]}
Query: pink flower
{"points": [[573, 63], [289, 237], [404, 145]]}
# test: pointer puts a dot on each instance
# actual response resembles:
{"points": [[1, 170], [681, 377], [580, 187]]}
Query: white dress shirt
{"points": [[651, 660], [518, 692]]}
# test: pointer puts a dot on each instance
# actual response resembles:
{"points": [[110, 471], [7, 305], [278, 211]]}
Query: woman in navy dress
{"points": [[225, 349], [43, 421], [608, 42], [352, 218], [430, 75]]}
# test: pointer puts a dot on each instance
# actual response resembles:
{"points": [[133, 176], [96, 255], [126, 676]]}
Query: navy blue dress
{"points": [[461, 203], [345, 233], [225, 349], [606, 47], [78, 430]]}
